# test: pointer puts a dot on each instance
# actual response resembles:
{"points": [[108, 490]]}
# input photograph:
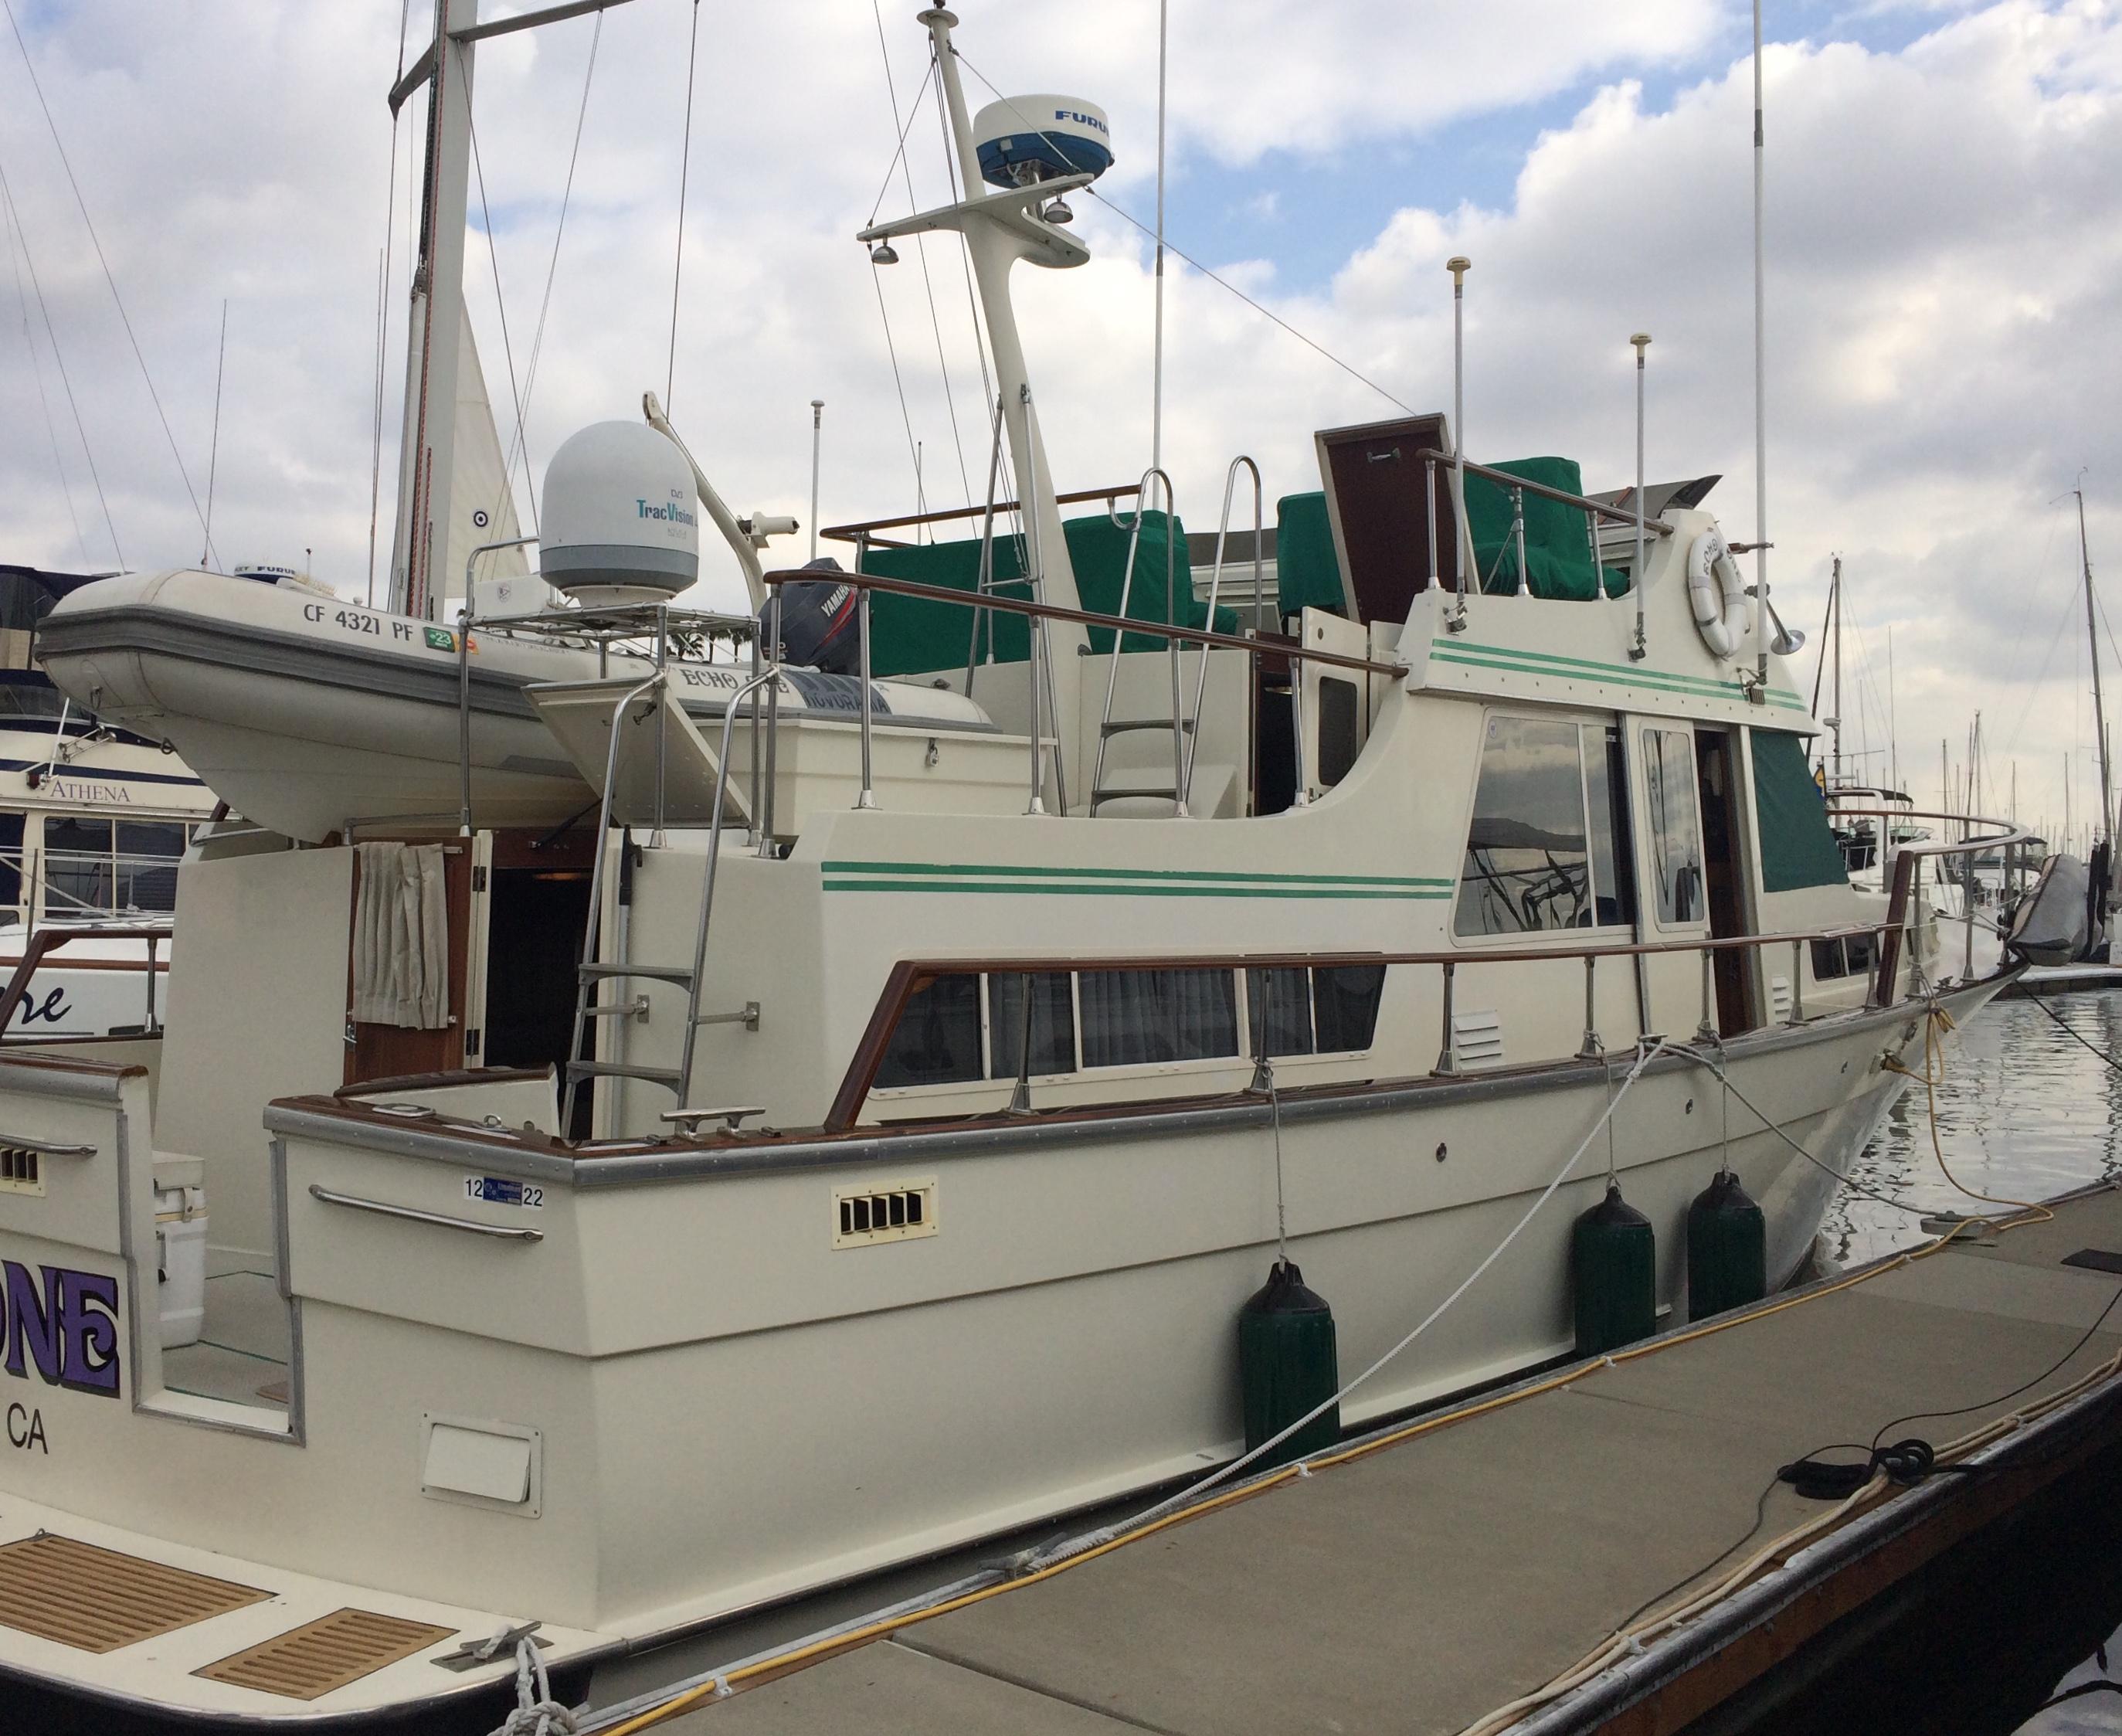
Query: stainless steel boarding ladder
{"points": [[1185, 727], [593, 971]]}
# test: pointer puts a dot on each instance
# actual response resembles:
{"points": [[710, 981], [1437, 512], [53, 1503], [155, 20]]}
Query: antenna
{"points": [[213, 456], [817, 420], [1459, 265], [1156, 350], [1641, 648], [1760, 389]]}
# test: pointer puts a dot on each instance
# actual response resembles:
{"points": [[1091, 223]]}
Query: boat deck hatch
{"points": [[98, 1599], [311, 1661]]}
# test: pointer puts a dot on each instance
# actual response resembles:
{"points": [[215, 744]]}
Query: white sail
{"points": [[481, 504]]}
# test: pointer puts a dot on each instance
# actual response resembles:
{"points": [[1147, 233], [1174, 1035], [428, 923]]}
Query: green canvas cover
{"points": [[1308, 571], [1797, 848], [911, 636], [1559, 556]]}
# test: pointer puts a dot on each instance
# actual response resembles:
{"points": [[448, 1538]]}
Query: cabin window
{"points": [[1607, 802], [1338, 712], [1133, 1016], [147, 853], [1053, 1034], [937, 1038], [1344, 1005], [77, 867], [1675, 827], [1126, 1018], [1847, 955], [1528, 863], [10, 861], [1279, 1010]]}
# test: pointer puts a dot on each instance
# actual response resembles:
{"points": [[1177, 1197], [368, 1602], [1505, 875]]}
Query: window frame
{"points": [[1646, 725], [1591, 727]]}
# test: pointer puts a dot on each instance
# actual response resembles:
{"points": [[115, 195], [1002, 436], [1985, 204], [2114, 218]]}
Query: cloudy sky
{"points": [[1944, 218]]}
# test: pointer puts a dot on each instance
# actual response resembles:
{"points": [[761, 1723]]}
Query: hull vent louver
{"points": [[897, 1212]]}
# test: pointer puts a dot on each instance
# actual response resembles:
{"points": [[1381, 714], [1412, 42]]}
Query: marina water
{"points": [[2023, 1111]]}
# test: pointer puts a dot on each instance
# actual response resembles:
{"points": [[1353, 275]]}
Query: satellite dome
{"points": [[621, 521], [1024, 140]]}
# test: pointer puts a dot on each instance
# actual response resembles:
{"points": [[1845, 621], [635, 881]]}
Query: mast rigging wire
{"points": [[124, 318], [383, 311], [684, 173], [519, 445], [1222, 283], [43, 401], [501, 306], [213, 450], [59, 357], [921, 249]]}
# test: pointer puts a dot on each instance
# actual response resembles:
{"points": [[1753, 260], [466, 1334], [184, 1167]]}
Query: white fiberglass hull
{"points": [[729, 1410]]}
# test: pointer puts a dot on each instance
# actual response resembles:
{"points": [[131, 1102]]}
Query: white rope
{"points": [[1186, 1496], [537, 1713]]}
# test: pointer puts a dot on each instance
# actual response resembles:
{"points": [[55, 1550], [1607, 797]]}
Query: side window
{"points": [[77, 867], [1339, 704], [937, 1038], [1675, 825], [1528, 864], [1052, 1037], [1606, 801], [1137, 1016]]}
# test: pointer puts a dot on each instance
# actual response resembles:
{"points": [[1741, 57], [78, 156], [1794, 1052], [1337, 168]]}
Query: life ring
{"points": [[1716, 594]]}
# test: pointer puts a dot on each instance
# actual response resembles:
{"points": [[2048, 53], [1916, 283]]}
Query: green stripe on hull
{"points": [[1537, 663]]}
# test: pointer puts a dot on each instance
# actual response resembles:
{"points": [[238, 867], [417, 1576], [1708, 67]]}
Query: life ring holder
{"points": [[1716, 594]]}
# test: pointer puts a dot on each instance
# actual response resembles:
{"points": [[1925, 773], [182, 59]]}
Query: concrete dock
{"points": [[1451, 1567]]}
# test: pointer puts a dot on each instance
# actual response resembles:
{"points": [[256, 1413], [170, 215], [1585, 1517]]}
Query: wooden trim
{"points": [[441, 1081], [1082, 617], [910, 974], [856, 533]]}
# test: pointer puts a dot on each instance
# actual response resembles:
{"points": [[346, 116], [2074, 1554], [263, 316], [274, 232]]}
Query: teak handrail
{"points": [[908, 975]]}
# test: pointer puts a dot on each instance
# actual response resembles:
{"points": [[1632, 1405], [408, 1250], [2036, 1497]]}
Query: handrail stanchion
{"points": [[1590, 1049], [763, 808], [153, 944], [1797, 983], [1193, 744], [868, 799], [1302, 798], [1707, 1032], [1119, 637], [1447, 1054], [1517, 531], [1967, 902]]}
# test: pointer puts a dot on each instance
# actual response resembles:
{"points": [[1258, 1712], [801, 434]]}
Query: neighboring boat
{"points": [[1356, 941], [93, 819]]}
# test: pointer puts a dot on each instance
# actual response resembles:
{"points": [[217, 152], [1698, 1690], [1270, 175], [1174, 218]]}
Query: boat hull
{"points": [[733, 1411]]}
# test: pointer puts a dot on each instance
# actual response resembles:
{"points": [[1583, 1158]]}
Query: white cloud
{"points": [[1943, 293]]}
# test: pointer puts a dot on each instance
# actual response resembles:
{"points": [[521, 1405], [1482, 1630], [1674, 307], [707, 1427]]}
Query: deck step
{"points": [[667, 1076], [681, 974]]}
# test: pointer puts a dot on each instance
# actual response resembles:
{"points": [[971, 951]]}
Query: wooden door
{"points": [[1722, 877], [1382, 497]]}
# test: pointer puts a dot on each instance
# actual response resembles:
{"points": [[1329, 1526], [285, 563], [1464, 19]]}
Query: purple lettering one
{"points": [[87, 1308], [33, 1319]]}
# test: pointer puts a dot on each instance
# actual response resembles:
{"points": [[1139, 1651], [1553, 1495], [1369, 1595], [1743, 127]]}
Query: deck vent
{"points": [[22, 1171], [1779, 999], [1477, 1038], [308, 1662], [898, 1211], [98, 1600]]}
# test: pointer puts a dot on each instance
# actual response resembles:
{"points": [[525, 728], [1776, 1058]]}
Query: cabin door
{"points": [[1724, 880]]}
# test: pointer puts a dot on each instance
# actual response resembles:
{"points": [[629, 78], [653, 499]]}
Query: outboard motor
{"points": [[2049, 926], [820, 620]]}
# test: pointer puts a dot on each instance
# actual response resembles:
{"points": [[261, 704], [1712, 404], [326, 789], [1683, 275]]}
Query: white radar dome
{"points": [[622, 520], [1027, 139]]}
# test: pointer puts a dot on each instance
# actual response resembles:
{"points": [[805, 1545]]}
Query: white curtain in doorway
{"points": [[401, 937]]}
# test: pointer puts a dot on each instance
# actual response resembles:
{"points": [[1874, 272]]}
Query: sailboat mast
{"points": [[2099, 703], [426, 452], [1835, 723]]}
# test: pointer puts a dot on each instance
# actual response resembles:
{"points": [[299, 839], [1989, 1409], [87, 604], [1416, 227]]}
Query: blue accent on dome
{"points": [[1055, 153]]}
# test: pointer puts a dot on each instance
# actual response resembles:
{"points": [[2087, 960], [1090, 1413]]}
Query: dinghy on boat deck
{"points": [[306, 713]]}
